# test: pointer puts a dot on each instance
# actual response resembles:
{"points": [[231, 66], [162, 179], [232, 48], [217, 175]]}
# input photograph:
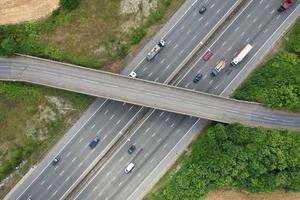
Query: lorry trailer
{"points": [[241, 55]]}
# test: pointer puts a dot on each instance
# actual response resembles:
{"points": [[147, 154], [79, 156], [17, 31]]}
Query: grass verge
{"points": [[235, 157]]}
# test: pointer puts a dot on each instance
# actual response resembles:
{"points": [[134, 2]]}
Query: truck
{"points": [[219, 66], [155, 50], [241, 55], [285, 5]]}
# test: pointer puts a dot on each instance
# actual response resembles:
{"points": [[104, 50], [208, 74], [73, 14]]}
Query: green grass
{"points": [[276, 83], [91, 35], [26, 131], [233, 157]]}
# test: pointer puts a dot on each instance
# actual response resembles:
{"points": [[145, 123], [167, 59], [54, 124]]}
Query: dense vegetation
{"points": [[236, 157], [277, 82]]}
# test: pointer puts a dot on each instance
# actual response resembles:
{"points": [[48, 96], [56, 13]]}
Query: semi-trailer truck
{"points": [[285, 5], [241, 55], [156, 49], [219, 66]]}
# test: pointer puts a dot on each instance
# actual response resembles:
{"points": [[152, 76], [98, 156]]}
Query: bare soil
{"points": [[17, 11], [231, 195]]}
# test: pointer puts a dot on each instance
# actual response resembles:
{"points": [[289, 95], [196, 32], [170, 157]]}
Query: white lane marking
{"points": [[120, 160], [169, 42], [187, 85], [120, 184], [176, 45], [61, 173], [267, 6], [218, 10], [161, 114], [172, 125], [188, 32], [162, 61], [147, 129], [168, 66], [259, 26], [108, 173], [204, 77], [229, 48], [49, 187], [149, 75], [42, 183], [80, 164], [210, 82], [254, 20], [118, 122], [104, 137], [159, 140], [195, 14], [261, 1], [167, 119], [243, 33], [114, 178], [54, 193], [206, 24], [125, 189], [217, 87], [106, 112], [146, 155], [236, 29], [266, 30], [80, 140], [67, 178], [123, 104], [248, 16], [95, 188], [272, 11], [93, 126], [153, 134], [151, 160], [180, 52], [224, 43], [182, 28], [200, 19], [194, 37], [156, 79], [68, 154], [165, 145], [212, 5], [74, 159], [112, 116], [145, 68], [130, 108]]}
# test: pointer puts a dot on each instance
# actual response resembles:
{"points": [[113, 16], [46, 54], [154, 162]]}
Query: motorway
{"points": [[162, 136], [111, 119], [147, 93]]}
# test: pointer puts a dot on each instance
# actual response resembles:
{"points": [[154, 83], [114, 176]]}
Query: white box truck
{"points": [[241, 55]]}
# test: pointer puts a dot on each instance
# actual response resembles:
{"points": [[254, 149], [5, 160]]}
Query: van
{"points": [[129, 168]]}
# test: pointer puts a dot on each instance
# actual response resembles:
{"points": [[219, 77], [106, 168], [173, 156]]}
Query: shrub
{"points": [[69, 4]]}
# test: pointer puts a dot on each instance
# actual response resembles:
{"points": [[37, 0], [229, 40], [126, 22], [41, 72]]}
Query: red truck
{"points": [[285, 5]]}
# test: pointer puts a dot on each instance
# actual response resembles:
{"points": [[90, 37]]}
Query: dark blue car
{"points": [[94, 142]]}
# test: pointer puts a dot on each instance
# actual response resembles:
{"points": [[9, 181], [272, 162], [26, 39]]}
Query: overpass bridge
{"points": [[144, 93]]}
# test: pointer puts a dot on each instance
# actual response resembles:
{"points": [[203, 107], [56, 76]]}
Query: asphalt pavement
{"points": [[113, 118], [160, 137]]}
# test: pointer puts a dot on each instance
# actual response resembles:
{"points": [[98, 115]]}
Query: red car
{"points": [[207, 55]]}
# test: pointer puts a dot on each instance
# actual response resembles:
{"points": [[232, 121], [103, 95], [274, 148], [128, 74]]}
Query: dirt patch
{"points": [[17, 11], [231, 195]]}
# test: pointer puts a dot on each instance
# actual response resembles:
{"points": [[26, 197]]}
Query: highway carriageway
{"points": [[144, 93]]}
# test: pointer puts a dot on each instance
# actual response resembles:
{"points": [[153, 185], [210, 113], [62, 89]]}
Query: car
{"points": [[55, 161], [198, 78], [207, 55], [94, 142], [202, 10], [133, 74], [131, 149], [129, 168]]}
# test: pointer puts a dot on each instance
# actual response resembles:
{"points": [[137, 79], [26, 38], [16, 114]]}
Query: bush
{"points": [[69, 4], [137, 35], [237, 157]]}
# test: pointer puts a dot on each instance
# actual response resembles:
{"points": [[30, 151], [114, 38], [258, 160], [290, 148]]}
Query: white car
{"points": [[133, 74], [129, 168]]}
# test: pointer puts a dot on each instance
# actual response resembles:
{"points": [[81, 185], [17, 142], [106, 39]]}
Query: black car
{"points": [[55, 161], [202, 10], [197, 78], [94, 142], [131, 149]]}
